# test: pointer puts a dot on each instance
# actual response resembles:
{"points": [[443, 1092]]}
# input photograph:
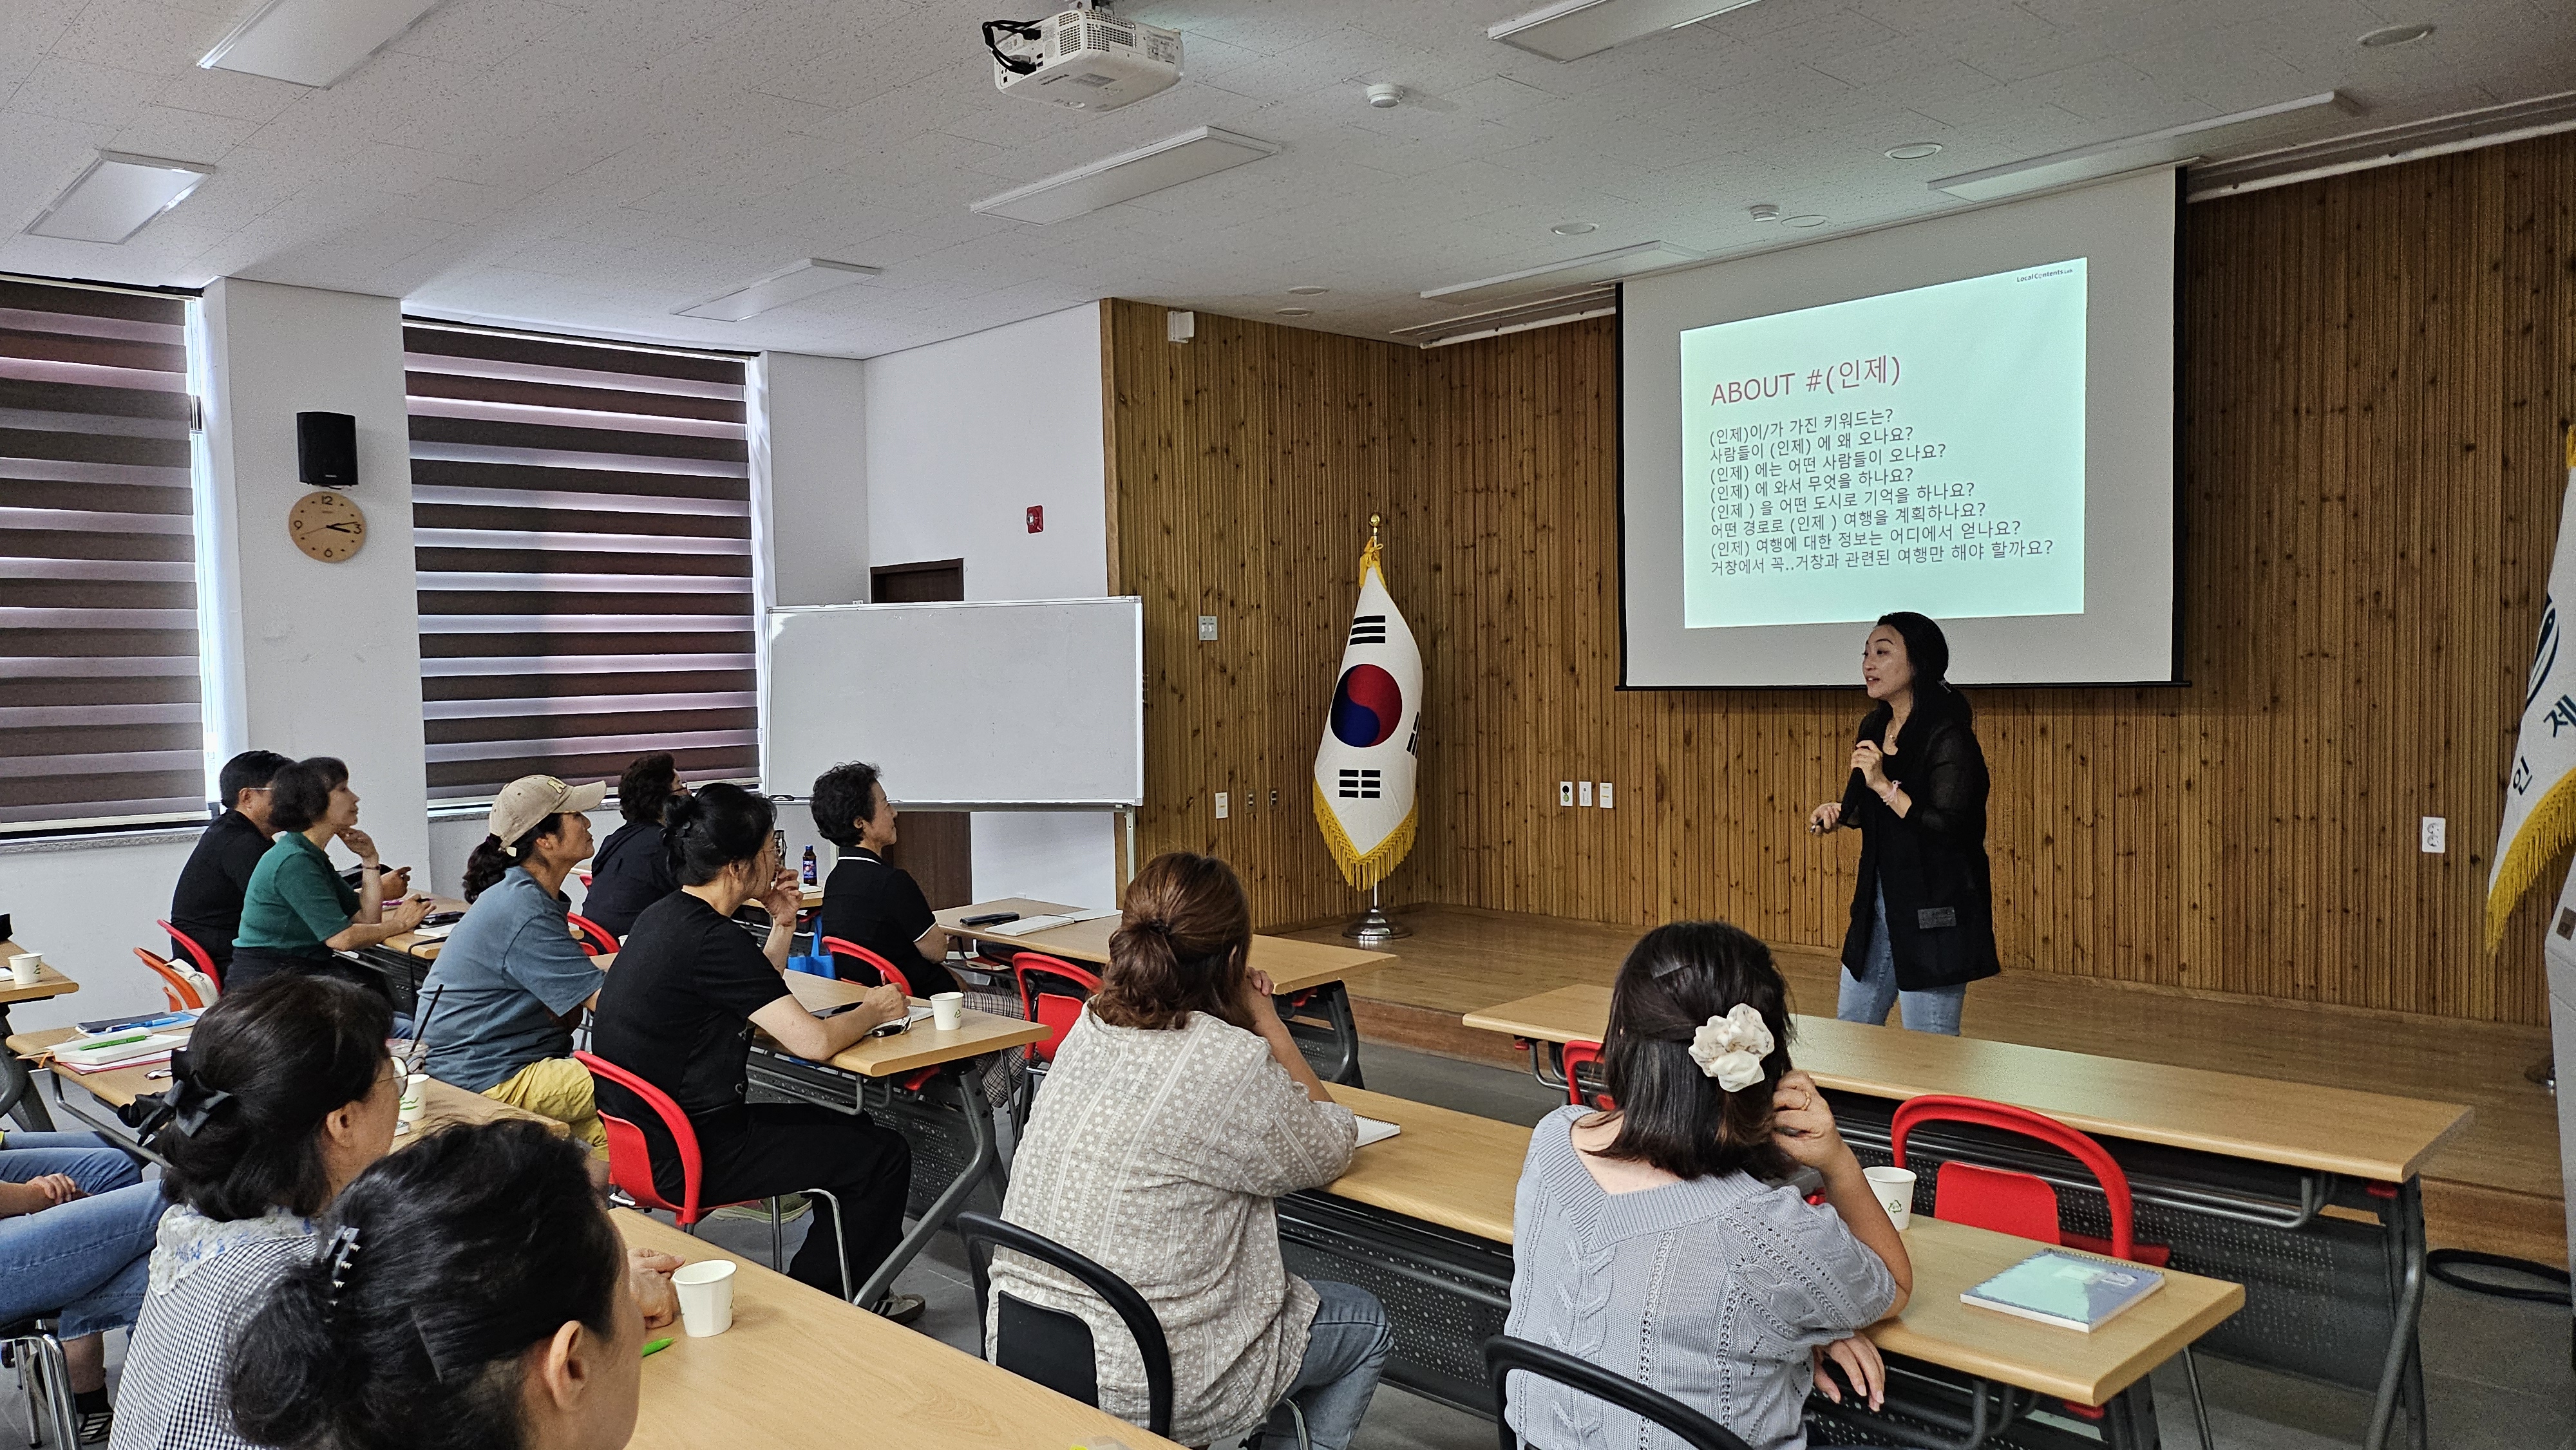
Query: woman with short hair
{"points": [[298, 911], [631, 870], [1669, 1239], [1177, 1111]]}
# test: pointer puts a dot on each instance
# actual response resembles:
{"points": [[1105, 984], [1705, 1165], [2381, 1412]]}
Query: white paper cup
{"points": [[23, 968], [947, 1010], [414, 1100], [706, 1296], [1895, 1190]]}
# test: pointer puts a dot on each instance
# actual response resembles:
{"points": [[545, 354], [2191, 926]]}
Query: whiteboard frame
{"points": [[1136, 619]]}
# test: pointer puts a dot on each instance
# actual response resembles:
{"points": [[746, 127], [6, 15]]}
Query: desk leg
{"points": [[18, 1096], [1547, 1062], [2401, 1375], [985, 1165]]}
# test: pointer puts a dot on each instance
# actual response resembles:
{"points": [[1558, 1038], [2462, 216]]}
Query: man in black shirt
{"points": [[207, 904], [630, 870], [878, 906]]}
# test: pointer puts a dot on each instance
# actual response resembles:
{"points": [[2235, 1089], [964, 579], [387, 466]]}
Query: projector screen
{"points": [[1970, 416]]}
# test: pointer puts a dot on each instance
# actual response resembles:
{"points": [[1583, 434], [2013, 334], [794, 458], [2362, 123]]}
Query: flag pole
{"points": [[1374, 927]]}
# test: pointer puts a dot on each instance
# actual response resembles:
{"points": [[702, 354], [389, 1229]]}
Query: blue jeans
{"points": [[1867, 997], [89, 1257], [1344, 1353]]}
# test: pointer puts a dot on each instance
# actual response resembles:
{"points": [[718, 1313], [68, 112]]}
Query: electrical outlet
{"points": [[1565, 792], [2437, 836], [1583, 792], [1207, 627], [1605, 795], [1220, 805]]}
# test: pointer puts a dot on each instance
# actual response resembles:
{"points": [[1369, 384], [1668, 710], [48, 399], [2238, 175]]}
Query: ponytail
{"points": [[492, 860], [719, 826], [1180, 947]]}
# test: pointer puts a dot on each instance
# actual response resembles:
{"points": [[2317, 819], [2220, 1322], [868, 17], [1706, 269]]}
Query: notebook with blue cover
{"points": [[2072, 1291]]}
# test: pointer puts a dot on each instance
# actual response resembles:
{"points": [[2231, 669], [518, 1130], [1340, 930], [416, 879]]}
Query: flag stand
{"points": [[1374, 926]]}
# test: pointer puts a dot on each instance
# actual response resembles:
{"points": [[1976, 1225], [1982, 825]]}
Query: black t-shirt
{"points": [[207, 903], [881, 908], [627, 874], [676, 1012]]}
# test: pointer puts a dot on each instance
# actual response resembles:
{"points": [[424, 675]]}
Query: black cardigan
{"points": [[1932, 860]]}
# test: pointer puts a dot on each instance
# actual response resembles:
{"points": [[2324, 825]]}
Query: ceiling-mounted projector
{"points": [[1084, 58]]}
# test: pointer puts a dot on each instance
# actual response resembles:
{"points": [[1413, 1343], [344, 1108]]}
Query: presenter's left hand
{"points": [[1871, 762]]}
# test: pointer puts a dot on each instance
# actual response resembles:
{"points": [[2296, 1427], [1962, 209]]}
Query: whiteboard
{"points": [[1028, 703]]}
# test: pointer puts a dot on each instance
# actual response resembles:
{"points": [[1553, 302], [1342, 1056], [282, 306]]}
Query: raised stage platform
{"points": [[2498, 1188]]}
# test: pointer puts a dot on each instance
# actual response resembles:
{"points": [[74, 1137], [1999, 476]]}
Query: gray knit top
{"points": [[1711, 1290]]}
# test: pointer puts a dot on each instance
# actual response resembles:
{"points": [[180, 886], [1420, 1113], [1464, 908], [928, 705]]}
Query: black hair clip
{"points": [[186, 1106], [342, 1252]]}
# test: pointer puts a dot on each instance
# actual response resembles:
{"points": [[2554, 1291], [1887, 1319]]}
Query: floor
{"points": [[2498, 1371], [2496, 1187]]}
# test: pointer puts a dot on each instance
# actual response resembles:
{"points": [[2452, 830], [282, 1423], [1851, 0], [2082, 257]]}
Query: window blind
{"points": [[100, 722], [581, 516]]}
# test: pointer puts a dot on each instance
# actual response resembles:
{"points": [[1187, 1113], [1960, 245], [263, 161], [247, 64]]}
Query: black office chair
{"points": [[1055, 1348], [1504, 1354]]}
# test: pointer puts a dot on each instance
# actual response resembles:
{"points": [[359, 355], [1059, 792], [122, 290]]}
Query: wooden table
{"points": [[18, 1096], [1311, 970], [1457, 1172], [804, 1371], [412, 944], [2344, 1159], [843, 1084]]}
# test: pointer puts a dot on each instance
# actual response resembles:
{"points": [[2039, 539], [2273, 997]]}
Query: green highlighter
{"points": [[656, 1347]]}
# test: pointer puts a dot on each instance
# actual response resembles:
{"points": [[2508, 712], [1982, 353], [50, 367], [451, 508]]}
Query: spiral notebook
{"points": [[2071, 1291]]}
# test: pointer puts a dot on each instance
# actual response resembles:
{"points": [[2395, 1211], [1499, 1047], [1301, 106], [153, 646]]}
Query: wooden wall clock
{"points": [[327, 526]]}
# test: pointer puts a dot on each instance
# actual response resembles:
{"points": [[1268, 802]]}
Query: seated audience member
{"points": [[207, 903], [76, 1222], [298, 911], [1178, 1108], [867, 901], [471, 1291], [511, 981], [1712, 1121], [631, 871], [688, 985]]}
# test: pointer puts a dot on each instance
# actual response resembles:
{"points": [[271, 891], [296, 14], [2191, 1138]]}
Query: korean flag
{"points": [[1364, 769]]}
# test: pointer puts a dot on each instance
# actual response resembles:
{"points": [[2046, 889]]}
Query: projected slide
{"points": [[1918, 450]]}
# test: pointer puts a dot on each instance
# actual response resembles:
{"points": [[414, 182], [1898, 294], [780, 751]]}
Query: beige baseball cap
{"points": [[526, 802]]}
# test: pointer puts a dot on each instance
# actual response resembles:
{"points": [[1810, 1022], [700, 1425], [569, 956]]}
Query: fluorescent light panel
{"points": [[2408, 141], [1598, 267], [117, 196], [1543, 311], [313, 42], [809, 278], [2155, 148], [1203, 151], [1572, 29]]}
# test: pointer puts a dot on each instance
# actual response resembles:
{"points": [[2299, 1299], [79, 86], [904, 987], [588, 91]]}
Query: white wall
{"points": [[814, 461], [962, 437], [87, 906], [328, 654]]}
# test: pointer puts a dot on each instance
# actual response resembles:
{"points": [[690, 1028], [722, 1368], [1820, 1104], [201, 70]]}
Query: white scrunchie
{"points": [[1731, 1048]]}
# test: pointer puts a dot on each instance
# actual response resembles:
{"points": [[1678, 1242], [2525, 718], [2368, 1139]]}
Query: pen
{"points": [[656, 1347]]}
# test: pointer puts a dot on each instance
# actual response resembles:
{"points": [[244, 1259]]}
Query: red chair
{"points": [[1578, 1056], [2025, 1205], [1048, 1004], [182, 993], [204, 960], [630, 1166], [596, 940], [886, 970]]}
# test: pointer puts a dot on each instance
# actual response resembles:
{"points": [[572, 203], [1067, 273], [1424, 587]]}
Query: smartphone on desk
{"points": [[442, 918]]}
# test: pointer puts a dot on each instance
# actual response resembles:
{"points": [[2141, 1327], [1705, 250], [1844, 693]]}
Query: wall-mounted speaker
{"points": [[326, 450]]}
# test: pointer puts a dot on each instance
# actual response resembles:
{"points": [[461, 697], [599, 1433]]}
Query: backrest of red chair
{"points": [[174, 988], [595, 939], [886, 970], [1944, 1108], [631, 1167], [1055, 1005], [1998, 1199], [1580, 1055], [204, 960]]}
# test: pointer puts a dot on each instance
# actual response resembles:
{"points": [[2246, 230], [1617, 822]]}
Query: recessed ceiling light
{"points": [[1807, 219], [313, 42], [1573, 29], [1296, 311], [117, 196], [1763, 212], [1308, 291], [2388, 35], [1913, 151], [1575, 229], [808, 278], [1200, 151]]}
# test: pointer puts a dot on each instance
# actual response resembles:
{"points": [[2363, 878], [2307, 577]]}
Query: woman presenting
{"points": [[1922, 915]]}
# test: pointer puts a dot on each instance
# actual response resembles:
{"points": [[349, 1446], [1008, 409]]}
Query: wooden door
{"points": [[937, 847]]}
